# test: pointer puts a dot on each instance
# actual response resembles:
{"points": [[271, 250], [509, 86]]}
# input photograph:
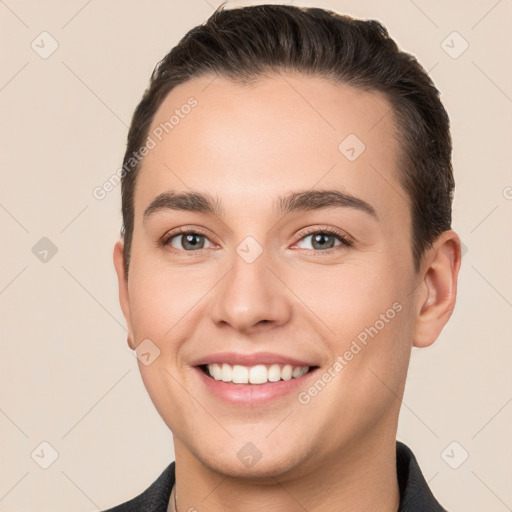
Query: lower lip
{"points": [[253, 394]]}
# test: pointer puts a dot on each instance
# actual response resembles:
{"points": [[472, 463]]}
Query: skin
{"points": [[247, 145]]}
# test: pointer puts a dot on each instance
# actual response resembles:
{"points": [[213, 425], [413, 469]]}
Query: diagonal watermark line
{"points": [[94, 298], [492, 81], [213, 490], [13, 279], [95, 404], [317, 182], [389, 183], [432, 68], [74, 218], [306, 100], [199, 403], [508, 508], [14, 485], [177, 177], [17, 426], [105, 104], [206, 2], [402, 401], [485, 15], [491, 419], [433, 478], [380, 119], [76, 14], [415, 287], [209, 83], [322, 177], [13, 218], [81, 490], [485, 218], [391, 109], [279, 424], [13, 13], [291, 496], [493, 287], [327, 327], [197, 302], [424, 13], [14, 76]]}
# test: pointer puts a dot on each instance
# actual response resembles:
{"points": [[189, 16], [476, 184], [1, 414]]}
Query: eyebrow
{"points": [[302, 200]]}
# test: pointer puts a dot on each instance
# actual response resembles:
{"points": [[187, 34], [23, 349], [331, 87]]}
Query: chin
{"points": [[264, 471], [262, 462]]}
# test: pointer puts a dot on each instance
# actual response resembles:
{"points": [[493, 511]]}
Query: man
{"points": [[287, 239]]}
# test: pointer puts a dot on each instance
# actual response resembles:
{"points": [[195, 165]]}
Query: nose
{"points": [[251, 296]]}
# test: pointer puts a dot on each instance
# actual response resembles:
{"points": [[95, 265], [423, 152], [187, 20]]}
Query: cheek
{"points": [[160, 299], [348, 298], [369, 322], [375, 351], [160, 304]]}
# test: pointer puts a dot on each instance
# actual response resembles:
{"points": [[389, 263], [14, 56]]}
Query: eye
{"points": [[187, 240], [324, 240], [321, 240]]}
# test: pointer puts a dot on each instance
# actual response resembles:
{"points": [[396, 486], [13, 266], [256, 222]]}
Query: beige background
{"points": [[67, 375]]}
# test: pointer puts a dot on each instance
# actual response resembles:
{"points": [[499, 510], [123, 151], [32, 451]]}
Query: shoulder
{"points": [[415, 494], [155, 498]]}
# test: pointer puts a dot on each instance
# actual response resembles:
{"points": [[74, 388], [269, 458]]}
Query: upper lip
{"points": [[253, 359]]}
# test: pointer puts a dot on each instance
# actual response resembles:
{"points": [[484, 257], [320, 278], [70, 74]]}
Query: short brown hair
{"points": [[246, 43]]}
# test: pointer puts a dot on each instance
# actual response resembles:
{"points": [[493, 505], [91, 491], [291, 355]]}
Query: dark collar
{"points": [[415, 495]]}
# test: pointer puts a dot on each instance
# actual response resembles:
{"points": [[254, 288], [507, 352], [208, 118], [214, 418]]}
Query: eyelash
{"points": [[346, 242]]}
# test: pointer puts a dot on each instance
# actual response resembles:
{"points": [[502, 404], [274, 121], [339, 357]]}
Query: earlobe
{"points": [[124, 298], [440, 273]]}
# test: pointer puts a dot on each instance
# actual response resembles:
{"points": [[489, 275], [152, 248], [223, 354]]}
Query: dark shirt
{"points": [[415, 495]]}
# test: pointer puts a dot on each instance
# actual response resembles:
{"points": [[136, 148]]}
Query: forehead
{"points": [[250, 143]]}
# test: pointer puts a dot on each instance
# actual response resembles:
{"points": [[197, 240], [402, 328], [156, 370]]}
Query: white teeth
{"points": [[216, 371], [240, 374], [274, 373], [297, 371], [286, 372], [258, 374], [226, 372]]}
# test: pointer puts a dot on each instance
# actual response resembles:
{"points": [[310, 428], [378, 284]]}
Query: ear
{"points": [[124, 298], [438, 288]]}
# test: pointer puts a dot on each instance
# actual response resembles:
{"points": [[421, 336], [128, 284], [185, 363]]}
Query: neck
{"points": [[361, 477]]}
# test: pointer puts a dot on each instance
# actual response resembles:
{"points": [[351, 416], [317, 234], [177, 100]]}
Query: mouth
{"points": [[255, 379], [258, 374]]}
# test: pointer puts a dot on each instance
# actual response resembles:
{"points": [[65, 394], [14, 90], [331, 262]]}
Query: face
{"points": [[298, 256]]}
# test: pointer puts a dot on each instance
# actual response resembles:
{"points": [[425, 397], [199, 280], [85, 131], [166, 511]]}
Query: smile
{"points": [[257, 374]]}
